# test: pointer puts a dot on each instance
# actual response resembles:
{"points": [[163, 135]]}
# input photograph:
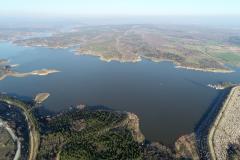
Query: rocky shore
{"points": [[132, 58], [225, 130], [214, 70], [108, 58], [222, 86]]}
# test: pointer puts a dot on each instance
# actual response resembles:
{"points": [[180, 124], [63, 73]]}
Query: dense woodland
{"points": [[94, 134], [88, 134]]}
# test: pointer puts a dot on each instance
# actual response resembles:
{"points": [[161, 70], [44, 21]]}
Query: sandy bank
{"points": [[214, 70], [41, 97], [43, 72]]}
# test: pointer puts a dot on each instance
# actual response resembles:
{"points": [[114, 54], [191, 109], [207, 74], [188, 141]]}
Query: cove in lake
{"points": [[168, 101]]}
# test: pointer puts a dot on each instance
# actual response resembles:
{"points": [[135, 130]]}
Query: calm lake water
{"points": [[168, 101]]}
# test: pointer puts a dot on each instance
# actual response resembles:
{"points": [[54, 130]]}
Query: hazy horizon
{"points": [[120, 8], [36, 21], [94, 12]]}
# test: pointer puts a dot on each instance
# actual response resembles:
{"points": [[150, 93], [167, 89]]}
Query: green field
{"points": [[230, 58]]}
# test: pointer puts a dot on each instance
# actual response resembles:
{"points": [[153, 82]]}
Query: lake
{"points": [[168, 101]]}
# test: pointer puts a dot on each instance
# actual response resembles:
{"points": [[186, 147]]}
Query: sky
{"points": [[84, 8]]}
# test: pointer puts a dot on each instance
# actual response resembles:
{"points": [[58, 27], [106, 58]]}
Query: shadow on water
{"points": [[195, 83], [203, 126], [26, 99], [42, 111], [100, 107]]}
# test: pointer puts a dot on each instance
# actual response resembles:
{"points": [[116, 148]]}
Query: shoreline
{"points": [[138, 59], [188, 141], [104, 59], [212, 70], [42, 72], [220, 117], [34, 135], [176, 65]]}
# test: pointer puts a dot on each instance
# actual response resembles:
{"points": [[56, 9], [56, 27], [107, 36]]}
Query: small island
{"points": [[7, 71], [41, 97]]}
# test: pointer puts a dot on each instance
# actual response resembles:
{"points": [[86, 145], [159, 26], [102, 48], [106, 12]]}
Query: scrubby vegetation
{"points": [[7, 145], [234, 152]]}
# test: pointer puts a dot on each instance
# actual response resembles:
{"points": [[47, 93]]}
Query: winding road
{"points": [[14, 137], [32, 125]]}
